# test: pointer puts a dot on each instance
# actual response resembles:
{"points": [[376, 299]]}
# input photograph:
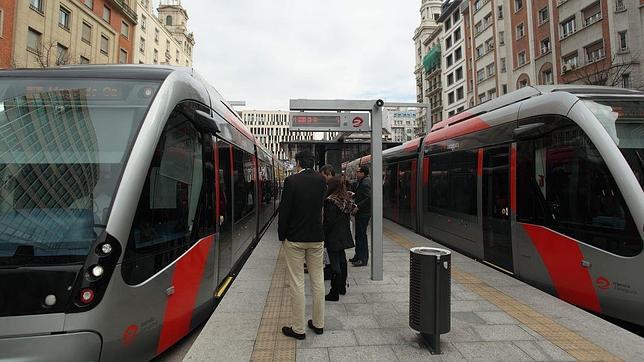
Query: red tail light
{"points": [[86, 296]]}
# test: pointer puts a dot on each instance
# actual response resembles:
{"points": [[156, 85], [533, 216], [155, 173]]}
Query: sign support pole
{"points": [[376, 194]]}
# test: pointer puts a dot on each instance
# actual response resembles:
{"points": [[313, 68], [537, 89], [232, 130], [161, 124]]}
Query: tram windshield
{"points": [[63, 145], [624, 122]]}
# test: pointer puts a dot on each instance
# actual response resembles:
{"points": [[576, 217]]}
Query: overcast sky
{"points": [[266, 52]]}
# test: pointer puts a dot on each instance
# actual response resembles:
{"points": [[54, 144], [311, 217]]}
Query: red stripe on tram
{"points": [[186, 279]]}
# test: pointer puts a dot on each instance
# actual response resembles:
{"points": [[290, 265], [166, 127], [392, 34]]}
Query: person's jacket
{"points": [[363, 197], [300, 210], [337, 227]]}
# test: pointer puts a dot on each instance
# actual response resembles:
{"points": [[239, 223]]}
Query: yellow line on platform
{"points": [[575, 345], [270, 343]]}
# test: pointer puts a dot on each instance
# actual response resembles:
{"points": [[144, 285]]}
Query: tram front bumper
{"points": [[80, 346]]}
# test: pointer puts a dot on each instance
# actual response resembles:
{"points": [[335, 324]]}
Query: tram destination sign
{"points": [[321, 121]]}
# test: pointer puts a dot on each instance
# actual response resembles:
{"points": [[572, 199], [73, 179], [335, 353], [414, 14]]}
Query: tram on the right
{"points": [[545, 183]]}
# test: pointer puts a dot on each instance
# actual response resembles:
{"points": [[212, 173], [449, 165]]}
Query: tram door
{"points": [[497, 239]]}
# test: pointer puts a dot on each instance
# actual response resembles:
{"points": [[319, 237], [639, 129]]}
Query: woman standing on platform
{"points": [[338, 207]]}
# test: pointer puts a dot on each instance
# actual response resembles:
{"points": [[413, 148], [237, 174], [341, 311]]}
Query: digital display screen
{"points": [[316, 121]]}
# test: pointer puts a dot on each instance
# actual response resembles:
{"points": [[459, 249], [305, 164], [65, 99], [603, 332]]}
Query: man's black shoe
{"points": [[332, 297], [359, 263], [288, 331], [343, 291], [353, 260], [315, 329]]}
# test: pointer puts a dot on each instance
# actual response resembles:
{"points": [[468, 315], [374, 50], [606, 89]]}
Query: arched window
{"points": [[168, 20]]}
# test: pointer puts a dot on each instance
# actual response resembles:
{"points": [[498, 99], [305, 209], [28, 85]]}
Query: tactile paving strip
{"points": [[270, 343], [575, 345]]}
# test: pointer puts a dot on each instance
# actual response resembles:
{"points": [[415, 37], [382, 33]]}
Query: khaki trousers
{"points": [[296, 254]]}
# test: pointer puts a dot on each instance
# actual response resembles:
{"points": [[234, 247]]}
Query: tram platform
{"points": [[494, 317]]}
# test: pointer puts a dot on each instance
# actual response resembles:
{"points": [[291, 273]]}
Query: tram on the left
{"points": [[130, 196]]}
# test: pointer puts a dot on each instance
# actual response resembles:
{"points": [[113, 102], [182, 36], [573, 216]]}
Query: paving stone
{"points": [[373, 308], [416, 352], [496, 318], [472, 306], [352, 298], [312, 355], [362, 353], [468, 317], [502, 333], [543, 351], [337, 338], [383, 336], [386, 297], [392, 320], [220, 351], [491, 351]]}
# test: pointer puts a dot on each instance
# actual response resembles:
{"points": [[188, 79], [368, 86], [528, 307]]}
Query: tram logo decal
{"points": [[603, 283], [357, 122], [129, 334]]}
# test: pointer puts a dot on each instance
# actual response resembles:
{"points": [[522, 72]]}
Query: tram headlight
{"points": [[97, 271], [106, 249]]}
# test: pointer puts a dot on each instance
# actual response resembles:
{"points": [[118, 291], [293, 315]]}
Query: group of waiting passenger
{"points": [[315, 213]]}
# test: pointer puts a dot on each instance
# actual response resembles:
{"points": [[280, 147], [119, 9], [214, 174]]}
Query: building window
{"points": [[457, 35], [143, 22], [36, 5], [518, 4], [448, 42], [503, 66], [459, 93], [155, 56], [142, 45], [89, 3], [619, 5], [626, 80], [456, 17], [487, 20], [501, 38], [520, 31], [86, 33], [450, 97], [500, 11], [63, 18], [479, 51], [481, 97], [592, 14], [459, 73], [450, 60], [84, 60], [477, 5], [622, 42], [595, 52], [34, 40], [522, 83], [490, 69], [125, 29], [480, 75], [489, 45], [547, 77], [156, 35], [123, 56], [568, 27], [570, 61], [521, 58], [543, 15], [545, 46], [168, 20], [478, 28], [105, 44], [107, 14], [450, 79], [458, 53], [491, 94], [62, 54]]}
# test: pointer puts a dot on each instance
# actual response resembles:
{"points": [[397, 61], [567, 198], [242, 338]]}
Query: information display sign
{"points": [[334, 122]]}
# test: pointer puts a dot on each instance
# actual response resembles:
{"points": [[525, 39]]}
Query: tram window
{"points": [[244, 184], [564, 183], [452, 182], [169, 214]]}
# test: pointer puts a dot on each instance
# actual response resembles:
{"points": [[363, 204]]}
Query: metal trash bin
{"points": [[430, 293]]}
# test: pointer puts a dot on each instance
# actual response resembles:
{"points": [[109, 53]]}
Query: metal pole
{"points": [[376, 193]]}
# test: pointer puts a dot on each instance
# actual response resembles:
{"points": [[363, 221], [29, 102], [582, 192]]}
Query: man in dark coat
{"points": [[363, 200], [300, 228]]}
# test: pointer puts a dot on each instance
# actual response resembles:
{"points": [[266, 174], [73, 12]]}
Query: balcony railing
{"points": [[595, 56], [592, 19], [125, 9]]}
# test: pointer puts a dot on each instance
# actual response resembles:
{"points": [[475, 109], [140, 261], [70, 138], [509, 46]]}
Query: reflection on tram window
{"points": [[564, 183], [452, 182], [167, 211], [244, 184]]}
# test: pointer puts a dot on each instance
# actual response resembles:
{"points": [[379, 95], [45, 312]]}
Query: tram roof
{"points": [[112, 71]]}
